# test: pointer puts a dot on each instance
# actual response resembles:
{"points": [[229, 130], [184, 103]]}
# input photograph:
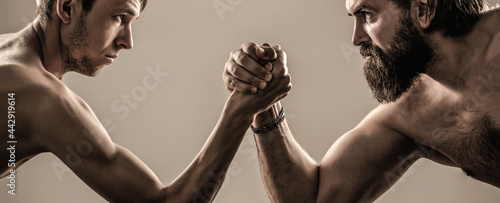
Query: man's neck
{"points": [[49, 47], [452, 57]]}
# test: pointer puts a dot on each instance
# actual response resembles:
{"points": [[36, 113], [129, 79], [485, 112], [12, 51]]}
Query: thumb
{"points": [[266, 52]]}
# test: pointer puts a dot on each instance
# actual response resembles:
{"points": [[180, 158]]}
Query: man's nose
{"points": [[125, 39], [359, 35]]}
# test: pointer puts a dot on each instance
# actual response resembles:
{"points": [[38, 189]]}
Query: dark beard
{"points": [[78, 39], [392, 73]]}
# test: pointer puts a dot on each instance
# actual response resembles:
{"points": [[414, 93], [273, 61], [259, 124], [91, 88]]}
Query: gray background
{"points": [[189, 40]]}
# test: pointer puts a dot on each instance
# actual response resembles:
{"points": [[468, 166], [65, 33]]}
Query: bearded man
{"points": [[41, 114], [435, 67]]}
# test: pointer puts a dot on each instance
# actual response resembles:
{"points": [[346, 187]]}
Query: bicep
{"points": [[364, 163], [121, 178], [74, 134]]}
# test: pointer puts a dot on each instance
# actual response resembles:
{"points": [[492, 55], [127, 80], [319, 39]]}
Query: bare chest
{"points": [[465, 128]]}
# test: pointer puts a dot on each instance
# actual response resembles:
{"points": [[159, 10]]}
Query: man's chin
{"points": [[96, 72], [389, 95], [90, 71]]}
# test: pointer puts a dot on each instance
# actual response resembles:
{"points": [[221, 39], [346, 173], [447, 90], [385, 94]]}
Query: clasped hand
{"points": [[257, 76]]}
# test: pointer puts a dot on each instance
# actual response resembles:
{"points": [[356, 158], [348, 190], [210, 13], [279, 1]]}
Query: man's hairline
{"points": [[48, 19]]}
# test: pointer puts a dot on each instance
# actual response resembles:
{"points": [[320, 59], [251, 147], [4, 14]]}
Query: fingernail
{"points": [[269, 67], [262, 85], [269, 77], [254, 89]]}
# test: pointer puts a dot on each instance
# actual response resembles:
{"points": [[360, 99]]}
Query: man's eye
{"points": [[119, 17], [367, 15]]}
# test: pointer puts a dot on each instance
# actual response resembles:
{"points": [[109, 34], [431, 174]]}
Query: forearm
{"points": [[203, 178], [289, 173]]}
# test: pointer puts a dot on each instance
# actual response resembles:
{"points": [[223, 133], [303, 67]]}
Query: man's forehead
{"points": [[354, 5], [132, 7], [130, 4]]}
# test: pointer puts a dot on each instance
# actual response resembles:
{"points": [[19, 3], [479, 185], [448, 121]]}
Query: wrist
{"points": [[267, 128], [238, 110], [267, 116]]}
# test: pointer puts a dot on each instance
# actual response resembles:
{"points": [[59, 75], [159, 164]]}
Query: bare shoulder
{"points": [[32, 83], [66, 119], [53, 112]]}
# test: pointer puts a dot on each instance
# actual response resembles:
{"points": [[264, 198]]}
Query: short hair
{"points": [[453, 17], [44, 9]]}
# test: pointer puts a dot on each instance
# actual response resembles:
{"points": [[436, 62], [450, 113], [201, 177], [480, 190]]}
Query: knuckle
{"points": [[260, 72], [282, 57], [287, 79], [230, 82], [281, 53], [249, 44], [224, 76], [228, 64], [242, 58], [248, 47], [234, 53], [244, 88], [256, 82], [234, 69]]}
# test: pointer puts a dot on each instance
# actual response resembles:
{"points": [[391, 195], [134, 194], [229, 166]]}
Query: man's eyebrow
{"points": [[358, 10], [128, 10]]}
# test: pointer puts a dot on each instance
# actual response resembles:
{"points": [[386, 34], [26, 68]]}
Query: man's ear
{"points": [[64, 10], [426, 12]]}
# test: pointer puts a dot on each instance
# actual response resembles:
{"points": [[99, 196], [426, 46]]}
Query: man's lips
{"points": [[366, 56], [111, 58]]}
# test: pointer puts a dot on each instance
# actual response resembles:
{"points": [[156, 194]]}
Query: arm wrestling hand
{"points": [[248, 68], [277, 89]]}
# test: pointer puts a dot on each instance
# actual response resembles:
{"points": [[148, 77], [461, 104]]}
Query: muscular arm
{"points": [[288, 172], [69, 129], [359, 167]]}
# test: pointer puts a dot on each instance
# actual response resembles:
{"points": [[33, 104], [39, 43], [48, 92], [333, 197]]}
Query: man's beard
{"points": [[392, 73], [78, 40]]}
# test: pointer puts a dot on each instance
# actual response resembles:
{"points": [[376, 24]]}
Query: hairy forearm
{"points": [[203, 178], [289, 173]]}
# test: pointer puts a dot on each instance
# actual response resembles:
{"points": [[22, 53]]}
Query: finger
{"points": [[244, 75], [252, 49], [277, 47], [226, 79], [242, 87], [249, 64], [280, 67], [266, 52], [285, 84]]}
